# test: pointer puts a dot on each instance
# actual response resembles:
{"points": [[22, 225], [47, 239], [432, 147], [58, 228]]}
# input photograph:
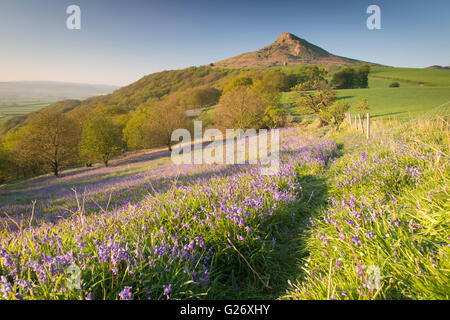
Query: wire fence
{"points": [[434, 122]]}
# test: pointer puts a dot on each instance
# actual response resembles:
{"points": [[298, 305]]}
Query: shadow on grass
{"points": [[387, 114], [314, 195], [62, 199], [282, 262], [344, 97]]}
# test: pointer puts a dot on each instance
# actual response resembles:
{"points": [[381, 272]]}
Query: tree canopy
{"points": [[240, 108], [101, 140]]}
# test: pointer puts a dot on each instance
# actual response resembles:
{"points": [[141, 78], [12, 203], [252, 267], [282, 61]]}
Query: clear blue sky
{"points": [[121, 41]]}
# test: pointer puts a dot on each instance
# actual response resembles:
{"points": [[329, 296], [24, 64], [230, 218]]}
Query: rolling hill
{"points": [[16, 91], [288, 49]]}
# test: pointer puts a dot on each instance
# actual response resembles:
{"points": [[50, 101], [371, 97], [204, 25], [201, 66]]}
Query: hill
{"points": [[421, 91], [17, 91], [151, 87], [439, 67], [288, 49], [19, 98]]}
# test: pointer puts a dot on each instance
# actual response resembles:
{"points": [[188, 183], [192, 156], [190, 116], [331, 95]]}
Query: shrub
{"points": [[337, 112], [275, 117], [394, 84], [362, 106], [318, 102]]}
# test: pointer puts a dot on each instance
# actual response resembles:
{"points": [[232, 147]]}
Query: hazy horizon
{"points": [[120, 42]]}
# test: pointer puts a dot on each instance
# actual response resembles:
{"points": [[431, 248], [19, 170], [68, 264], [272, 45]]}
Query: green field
{"points": [[9, 110], [429, 77], [409, 100]]}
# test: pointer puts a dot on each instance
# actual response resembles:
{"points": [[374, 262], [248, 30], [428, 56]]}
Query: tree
{"points": [[49, 141], [276, 81], [349, 78], [117, 114], [270, 86], [318, 102], [345, 79], [199, 97], [240, 108], [163, 118], [363, 76], [152, 124], [4, 163], [134, 133], [237, 82], [15, 146], [362, 106], [275, 117], [310, 85], [302, 74], [337, 112], [101, 139]]}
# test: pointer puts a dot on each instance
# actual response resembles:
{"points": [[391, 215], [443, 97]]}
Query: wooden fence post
{"points": [[368, 125], [361, 124]]}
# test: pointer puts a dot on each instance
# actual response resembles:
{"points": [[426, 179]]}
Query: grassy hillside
{"points": [[152, 87], [145, 228], [406, 101], [429, 77]]}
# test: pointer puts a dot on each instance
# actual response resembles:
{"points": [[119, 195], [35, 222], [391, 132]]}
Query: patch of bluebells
{"points": [[129, 250], [363, 224]]}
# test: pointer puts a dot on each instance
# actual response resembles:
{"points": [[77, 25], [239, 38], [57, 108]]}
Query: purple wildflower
{"points": [[126, 294], [167, 290]]}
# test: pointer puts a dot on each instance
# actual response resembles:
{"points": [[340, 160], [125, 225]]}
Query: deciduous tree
{"points": [[163, 118], [240, 108], [318, 102], [49, 140], [101, 140]]}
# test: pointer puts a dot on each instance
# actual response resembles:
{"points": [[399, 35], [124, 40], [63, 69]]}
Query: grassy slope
{"points": [[409, 100], [270, 252], [431, 77], [317, 184], [278, 264], [389, 212], [404, 102]]}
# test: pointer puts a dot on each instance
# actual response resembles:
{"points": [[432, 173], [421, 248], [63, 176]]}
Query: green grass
{"points": [[389, 211], [402, 103], [9, 110], [405, 102], [429, 77]]}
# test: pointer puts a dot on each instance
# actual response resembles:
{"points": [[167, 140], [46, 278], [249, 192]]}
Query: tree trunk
{"points": [[322, 123]]}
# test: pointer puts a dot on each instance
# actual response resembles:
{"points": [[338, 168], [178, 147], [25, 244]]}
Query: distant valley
{"points": [[22, 97]]}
